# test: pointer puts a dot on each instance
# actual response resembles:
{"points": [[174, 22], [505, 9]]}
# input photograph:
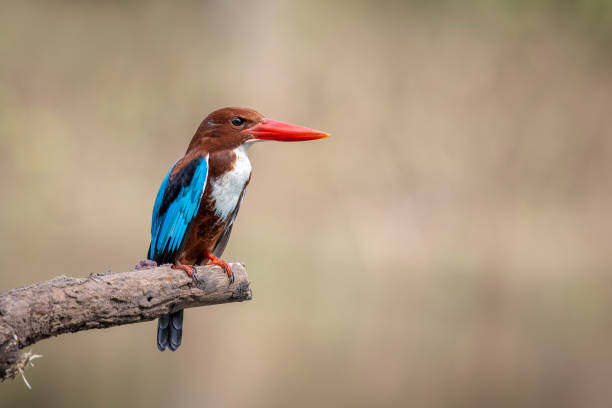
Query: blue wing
{"points": [[177, 203]]}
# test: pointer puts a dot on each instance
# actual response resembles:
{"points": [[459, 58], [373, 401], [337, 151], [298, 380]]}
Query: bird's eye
{"points": [[237, 121]]}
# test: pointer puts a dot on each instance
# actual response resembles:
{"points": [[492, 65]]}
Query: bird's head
{"points": [[231, 127]]}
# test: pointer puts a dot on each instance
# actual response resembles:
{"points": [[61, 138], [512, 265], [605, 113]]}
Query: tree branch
{"points": [[66, 305]]}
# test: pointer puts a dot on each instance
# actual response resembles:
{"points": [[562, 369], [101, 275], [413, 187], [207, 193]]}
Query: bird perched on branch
{"points": [[199, 199]]}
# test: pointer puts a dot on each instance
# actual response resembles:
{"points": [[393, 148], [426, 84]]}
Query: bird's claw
{"points": [[192, 275], [189, 270], [226, 268], [224, 265]]}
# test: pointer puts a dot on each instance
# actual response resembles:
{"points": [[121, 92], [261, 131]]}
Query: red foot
{"points": [[190, 270], [216, 261]]}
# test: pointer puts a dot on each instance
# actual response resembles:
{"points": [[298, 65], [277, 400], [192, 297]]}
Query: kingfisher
{"points": [[198, 201]]}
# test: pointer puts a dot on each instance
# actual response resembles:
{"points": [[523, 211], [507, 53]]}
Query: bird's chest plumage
{"points": [[230, 171], [227, 185]]}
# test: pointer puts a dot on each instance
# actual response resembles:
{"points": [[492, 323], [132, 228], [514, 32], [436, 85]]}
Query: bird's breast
{"points": [[227, 186]]}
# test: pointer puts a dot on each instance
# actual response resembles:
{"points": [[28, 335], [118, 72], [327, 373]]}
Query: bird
{"points": [[198, 200]]}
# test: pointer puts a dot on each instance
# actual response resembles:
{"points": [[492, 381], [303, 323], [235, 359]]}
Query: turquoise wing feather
{"points": [[176, 205]]}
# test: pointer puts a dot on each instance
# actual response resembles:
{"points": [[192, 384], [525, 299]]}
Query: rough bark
{"points": [[64, 304]]}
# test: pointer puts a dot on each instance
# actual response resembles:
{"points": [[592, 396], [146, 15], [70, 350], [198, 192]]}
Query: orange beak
{"points": [[271, 129]]}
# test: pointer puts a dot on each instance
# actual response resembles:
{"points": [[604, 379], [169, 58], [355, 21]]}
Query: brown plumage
{"points": [[216, 133], [217, 158], [216, 137]]}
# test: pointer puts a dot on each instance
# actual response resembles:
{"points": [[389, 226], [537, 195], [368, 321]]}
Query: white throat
{"points": [[226, 189]]}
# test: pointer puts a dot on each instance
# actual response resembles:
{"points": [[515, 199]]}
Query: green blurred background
{"points": [[448, 246]]}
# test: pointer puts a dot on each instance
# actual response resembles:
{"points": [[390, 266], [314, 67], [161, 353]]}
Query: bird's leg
{"points": [[190, 270], [216, 261]]}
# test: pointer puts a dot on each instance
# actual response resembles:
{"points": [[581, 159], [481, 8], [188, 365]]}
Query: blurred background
{"points": [[448, 246]]}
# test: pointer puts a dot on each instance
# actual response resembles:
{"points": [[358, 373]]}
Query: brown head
{"points": [[228, 128]]}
